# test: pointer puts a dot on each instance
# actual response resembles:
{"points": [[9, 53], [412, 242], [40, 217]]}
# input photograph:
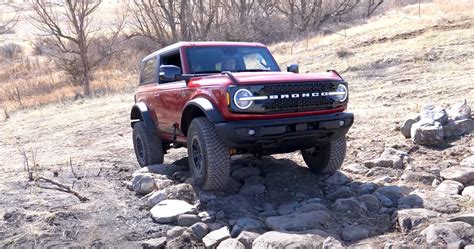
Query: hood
{"points": [[246, 78]]}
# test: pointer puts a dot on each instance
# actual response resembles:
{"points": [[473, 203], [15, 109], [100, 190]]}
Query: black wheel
{"points": [[147, 145], [326, 158], [208, 156]]}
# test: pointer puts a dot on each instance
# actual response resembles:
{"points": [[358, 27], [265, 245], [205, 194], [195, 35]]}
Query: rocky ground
{"points": [[391, 191]]}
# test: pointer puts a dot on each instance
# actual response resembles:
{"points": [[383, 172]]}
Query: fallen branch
{"points": [[63, 187]]}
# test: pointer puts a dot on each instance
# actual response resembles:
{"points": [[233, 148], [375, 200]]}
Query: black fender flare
{"points": [[140, 112], [205, 106]]}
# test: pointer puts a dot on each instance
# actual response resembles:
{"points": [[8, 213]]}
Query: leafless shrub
{"points": [[11, 51], [343, 52], [6, 26]]}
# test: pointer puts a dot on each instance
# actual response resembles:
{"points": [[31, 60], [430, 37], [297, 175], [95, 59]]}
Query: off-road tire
{"points": [[147, 145], [210, 166], [326, 158]]}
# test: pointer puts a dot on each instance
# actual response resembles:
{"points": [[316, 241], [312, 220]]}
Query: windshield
{"points": [[216, 59]]}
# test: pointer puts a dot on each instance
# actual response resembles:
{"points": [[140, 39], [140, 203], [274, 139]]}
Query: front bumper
{"points": [[272, 136]]}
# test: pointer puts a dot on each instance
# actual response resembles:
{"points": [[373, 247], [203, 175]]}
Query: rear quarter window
{"points": [[148, 72]]}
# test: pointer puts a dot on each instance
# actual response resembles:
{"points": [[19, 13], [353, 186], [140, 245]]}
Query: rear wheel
{"points": [[147, 145], [208, 156], [326, 158]]}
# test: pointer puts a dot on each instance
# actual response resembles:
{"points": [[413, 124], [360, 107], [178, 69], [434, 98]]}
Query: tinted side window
{"points": [[173, 58], [148, 71]]}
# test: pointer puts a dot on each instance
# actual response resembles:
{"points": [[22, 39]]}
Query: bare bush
{"points": [[6, 26], [11, 51], [76, 43]]}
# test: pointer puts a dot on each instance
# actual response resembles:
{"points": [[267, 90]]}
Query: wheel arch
{"points": [[140, 112], [199, 107]]}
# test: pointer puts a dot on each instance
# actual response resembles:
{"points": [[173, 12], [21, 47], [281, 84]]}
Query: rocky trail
{"points": [[407, 180]]}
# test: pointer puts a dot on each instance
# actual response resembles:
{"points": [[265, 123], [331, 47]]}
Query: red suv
{"points": [[220, 99]]}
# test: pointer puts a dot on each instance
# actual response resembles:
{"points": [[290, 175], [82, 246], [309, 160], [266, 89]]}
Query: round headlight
{"points": [[342, 93], [239, 98]]}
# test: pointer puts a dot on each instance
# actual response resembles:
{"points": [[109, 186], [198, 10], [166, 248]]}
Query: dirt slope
{"points": [[395, 64]]}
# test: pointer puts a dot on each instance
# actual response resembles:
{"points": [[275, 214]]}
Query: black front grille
{"points": [[291, 104], [301, 103]]}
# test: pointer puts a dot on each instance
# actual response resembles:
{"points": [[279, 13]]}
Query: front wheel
{"points": [[208, 156], [326, 158], [147, 145]]}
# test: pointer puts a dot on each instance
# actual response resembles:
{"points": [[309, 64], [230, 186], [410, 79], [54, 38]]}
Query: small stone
{"points": [[207, 217], [390, 158], [215, 237], [205, 196], [200, 229], [394, 193], [167, 211], [155, 198], [187, 220], [332, 243], [158, 243], [409, 219], [298, 221], [275, 239], [367, 188], [355, 168], [355, 232], [464, 175], [251, 189], [247, 224], [418, 177], [425, 132], [175, 232], [468, 192], [231, 243], [449, 187], [245, 172], [288, 208], [337, 178], [435, 113], [341, 192], [458, 127], [247, 238], [460, 110], [143, 184], [468, 162]]}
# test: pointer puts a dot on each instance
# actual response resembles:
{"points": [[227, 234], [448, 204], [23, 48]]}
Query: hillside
{"points": [[395, 64]]}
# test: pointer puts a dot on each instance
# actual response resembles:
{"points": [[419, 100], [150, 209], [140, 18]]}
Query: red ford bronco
{"points": [[220, 99]]}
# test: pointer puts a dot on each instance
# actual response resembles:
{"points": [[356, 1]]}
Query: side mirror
{"points": [[169, 72], [293, 68]]}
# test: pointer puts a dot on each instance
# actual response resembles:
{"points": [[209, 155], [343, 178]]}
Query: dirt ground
{"points": [[392, 72]]}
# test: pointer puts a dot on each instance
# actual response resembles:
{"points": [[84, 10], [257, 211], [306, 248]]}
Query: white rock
{"points": [[247, 238], [460, 110], [468, 192], [468, 161], [298, 221], [426, 132], [231, 243], [390, 158], [332, 243], [355, 168], [450, 187], [435, 113], [154, 243], [405, 128], [275, 239], [143, 183], [215, 237], [338, 178], [167, 211], [464, 175]]}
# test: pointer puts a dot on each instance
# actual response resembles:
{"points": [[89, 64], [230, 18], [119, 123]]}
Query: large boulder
{"points": [[468, 192], [409, 219], [459, 111], [298, 221], [275, 239], [405, 128], [436, 201], [464, 175], [427, 132], [458, 127], [435, 113], [449, 233], [167, 211], [468, 161], [247, 224]]}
